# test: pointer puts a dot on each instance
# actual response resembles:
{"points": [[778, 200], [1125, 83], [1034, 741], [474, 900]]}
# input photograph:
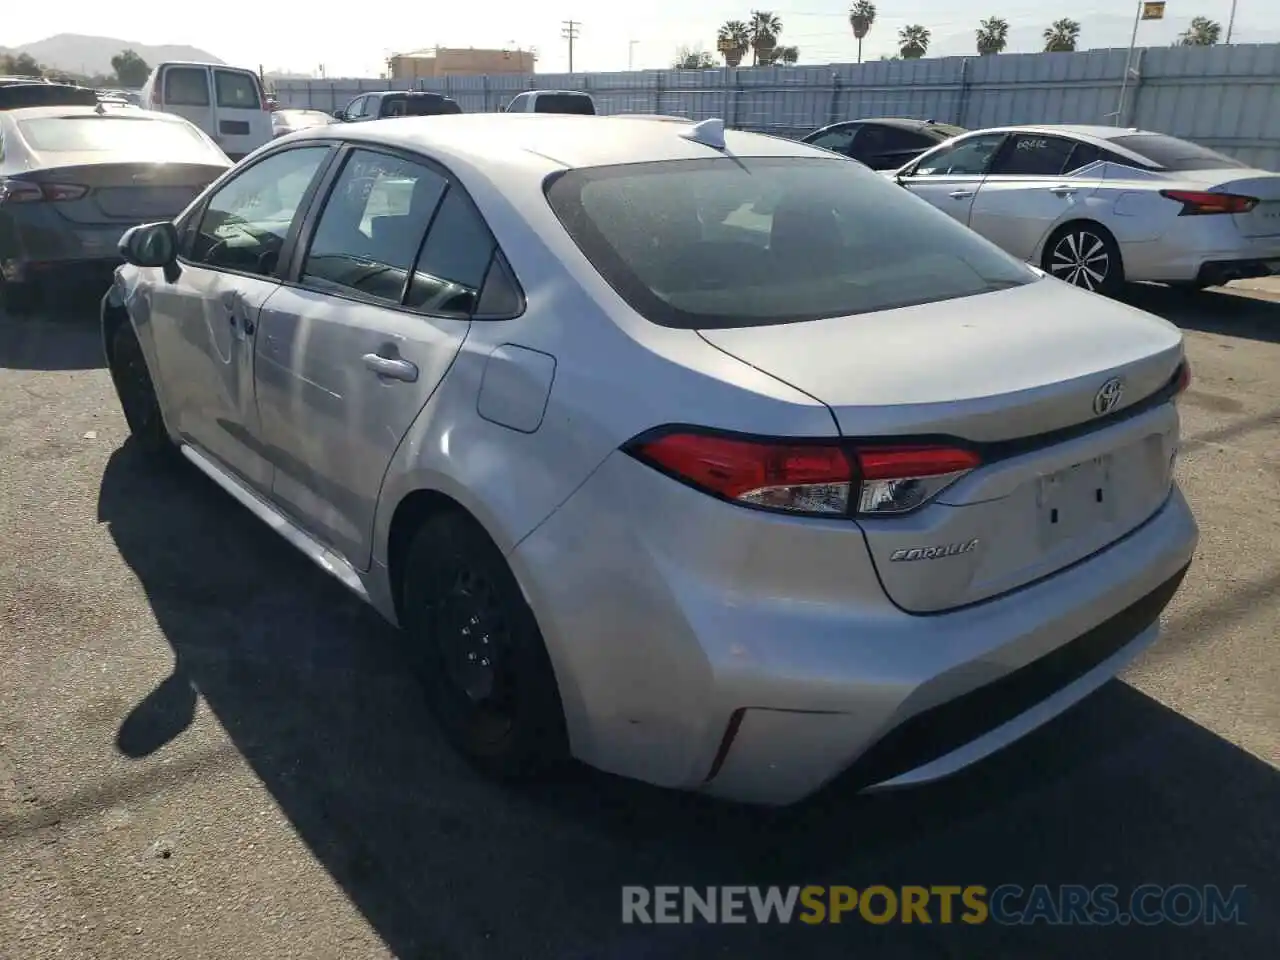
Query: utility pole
{"points": [[570, 32], [631, 54], [1231, 23]]}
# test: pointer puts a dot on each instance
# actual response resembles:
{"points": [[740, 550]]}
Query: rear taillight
{"points": [[1196, 203], [1184, 378], [809, 477], [25, 191]]}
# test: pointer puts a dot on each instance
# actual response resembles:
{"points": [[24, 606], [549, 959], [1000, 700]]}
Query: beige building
{"points": [[458, 62]]}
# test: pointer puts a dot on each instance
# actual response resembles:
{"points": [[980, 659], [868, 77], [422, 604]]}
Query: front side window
{"points": [[372, 226], [837, 141], [186, 87], [246, 222], [355, 108], [968, 158], [738, 242], [236, 90], [1033, 155]]}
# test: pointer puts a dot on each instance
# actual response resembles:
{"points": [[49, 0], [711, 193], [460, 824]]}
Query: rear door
{"points": [[1035, 183], [950, 176], [350, 354], [241, 114], [185, 89]]}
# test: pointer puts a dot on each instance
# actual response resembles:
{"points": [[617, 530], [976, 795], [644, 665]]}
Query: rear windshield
{"points": [[236, 91], [575, 103], [419, 106], [731, 242], [141, 137], [1174, 154]]}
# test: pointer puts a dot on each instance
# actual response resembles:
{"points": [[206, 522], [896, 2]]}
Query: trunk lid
{"points": [[1017, 374], [128, 193], [1264, 219]]}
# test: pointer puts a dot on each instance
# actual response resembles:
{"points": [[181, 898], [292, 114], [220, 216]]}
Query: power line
{"points": [[569, 31]]}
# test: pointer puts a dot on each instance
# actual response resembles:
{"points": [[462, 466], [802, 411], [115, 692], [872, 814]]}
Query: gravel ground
{"points": [[208, 750]]}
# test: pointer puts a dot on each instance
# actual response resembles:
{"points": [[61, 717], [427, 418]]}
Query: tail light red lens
{"points": [[1184, 377], [25, 191], [814, 478], [1196, 203]]}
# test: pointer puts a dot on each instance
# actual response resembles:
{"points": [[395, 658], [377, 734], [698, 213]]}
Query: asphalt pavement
{"points": [[209, 750]]}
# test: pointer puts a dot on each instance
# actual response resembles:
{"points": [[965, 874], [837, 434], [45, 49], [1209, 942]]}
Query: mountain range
{"points": [[76, 53]]}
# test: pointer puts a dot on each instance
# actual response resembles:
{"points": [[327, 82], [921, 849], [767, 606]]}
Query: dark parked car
{"points": [[396, 103], [76, 173], [885, 143]]}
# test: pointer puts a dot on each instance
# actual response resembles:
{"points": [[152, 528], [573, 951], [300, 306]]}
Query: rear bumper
{"points": [[692, 656], [1211, 250], [38, 242]]}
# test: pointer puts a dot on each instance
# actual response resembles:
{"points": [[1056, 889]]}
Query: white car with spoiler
{"points": [[1096, 206]]}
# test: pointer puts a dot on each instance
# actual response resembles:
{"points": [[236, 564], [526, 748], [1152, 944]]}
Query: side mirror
{"points": [[150, 244], [339, 115]]}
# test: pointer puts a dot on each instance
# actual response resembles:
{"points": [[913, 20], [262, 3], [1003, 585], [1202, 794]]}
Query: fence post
{"points": [[737, 98], [484, 87], [657, 91], [962, 106], [833, 111]]}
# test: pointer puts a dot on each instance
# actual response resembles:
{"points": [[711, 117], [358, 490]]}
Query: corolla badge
{"points": [[933, 553], [1108, 397]]}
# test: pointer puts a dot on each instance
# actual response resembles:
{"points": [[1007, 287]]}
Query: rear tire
{"points": [[477, 649], [1085, 255], [137, 394]]}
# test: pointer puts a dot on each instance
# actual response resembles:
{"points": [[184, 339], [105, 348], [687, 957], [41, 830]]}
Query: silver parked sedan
{"points": [[1096, 206], [711, 459]]}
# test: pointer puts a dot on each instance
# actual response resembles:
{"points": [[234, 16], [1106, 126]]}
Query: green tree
{"points": [[131, 70], [787, 55], [913, 41], [22, 65], [693, 58], [765, 28], [1061, 36], [993, 35], [733, 40], [1203, 32], [862, 16]]}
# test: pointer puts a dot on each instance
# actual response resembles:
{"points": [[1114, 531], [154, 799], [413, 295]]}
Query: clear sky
{"points": [[353, 41]]}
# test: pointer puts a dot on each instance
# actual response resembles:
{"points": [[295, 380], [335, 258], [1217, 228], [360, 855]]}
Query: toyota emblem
{"points": [[1108, 397]]}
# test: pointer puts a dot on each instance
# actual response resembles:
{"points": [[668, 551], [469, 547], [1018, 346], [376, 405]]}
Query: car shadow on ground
{"points": [[1226, 312], [62, 335], [310, 686]]}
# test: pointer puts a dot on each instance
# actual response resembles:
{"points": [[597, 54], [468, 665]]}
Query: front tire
{"points": [[137, 393], [1087, 256], [476, 646]]}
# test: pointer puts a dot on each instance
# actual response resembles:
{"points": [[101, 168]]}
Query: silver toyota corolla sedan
{"points": [[1096, 206], [710, 459]]}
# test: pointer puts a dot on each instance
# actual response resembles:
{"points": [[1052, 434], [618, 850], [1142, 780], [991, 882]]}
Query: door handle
{"points": [[1062, 190], [391, 368], [961, 194]]}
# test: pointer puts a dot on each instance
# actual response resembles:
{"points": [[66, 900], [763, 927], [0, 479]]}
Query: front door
{"points": [[205, 320], [349, 356], [950, 176]]}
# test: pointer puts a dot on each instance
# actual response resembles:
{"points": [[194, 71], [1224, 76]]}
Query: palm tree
{"points": [[765, 27], [1061, 36], [733, 40], [862, 15], [913, 41], [1203, 32], [787, 55], [993, 35]]}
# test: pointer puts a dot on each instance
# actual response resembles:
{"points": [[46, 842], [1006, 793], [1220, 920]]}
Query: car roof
{"points": [[490, 141], [1095, 131]]}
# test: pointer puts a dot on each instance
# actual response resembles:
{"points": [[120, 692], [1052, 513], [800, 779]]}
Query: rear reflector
{"points": [[1196, 203], [808, 477]]}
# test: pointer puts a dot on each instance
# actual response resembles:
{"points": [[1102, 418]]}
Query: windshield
{"points": [[131, 136], [420, 107], [742, 242], [1174, 154], [573, 103]]}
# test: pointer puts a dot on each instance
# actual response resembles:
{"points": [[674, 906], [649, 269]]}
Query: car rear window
{"points": [[1174, 154], [186, 87], [236, 91], [419, 106], [574, 103], [738, 242], [162, 140]]}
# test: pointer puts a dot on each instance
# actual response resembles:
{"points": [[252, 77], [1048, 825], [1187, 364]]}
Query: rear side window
{"points": [[186, 87], [564, 103], [1174, 154], [130, 137], [876, 138], [738, 242], [236, 90], [1032, 155], [454, 260]]}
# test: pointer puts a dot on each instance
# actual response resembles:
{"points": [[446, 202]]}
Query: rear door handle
{"points": [[391, 368], [1062, 190], [961, 194]]}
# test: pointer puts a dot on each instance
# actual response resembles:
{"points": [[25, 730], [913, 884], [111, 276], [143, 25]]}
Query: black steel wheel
{"points": [[1085, 255], [137, 394], [478, 651]]}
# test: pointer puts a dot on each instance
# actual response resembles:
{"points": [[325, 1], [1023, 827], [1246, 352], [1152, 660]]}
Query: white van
{"points": [[225, 102]]}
